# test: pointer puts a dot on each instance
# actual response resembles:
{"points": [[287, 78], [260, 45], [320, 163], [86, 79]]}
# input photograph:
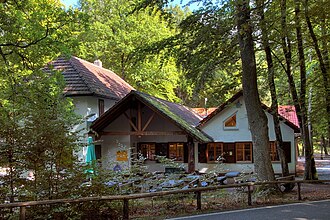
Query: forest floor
{"points": [[230, 199]]}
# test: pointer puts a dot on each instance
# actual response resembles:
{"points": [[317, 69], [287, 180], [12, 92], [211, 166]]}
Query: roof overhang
{"points": [[152, 103]]}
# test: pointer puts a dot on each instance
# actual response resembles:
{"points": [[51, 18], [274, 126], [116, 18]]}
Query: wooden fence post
{"points": [[125, 209], [199, 200], [249, 195], [299, 192], [22, 212]]}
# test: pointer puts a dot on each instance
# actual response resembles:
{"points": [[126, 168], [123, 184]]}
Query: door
{"points": [[229, 152], [162, 149]]}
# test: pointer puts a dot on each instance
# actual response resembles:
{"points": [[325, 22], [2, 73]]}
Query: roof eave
{"points": [[205, 139]]}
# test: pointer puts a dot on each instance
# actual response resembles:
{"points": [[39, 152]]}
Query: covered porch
{"points": [[143, 125]]}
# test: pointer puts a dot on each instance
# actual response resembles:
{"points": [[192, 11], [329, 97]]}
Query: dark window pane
{"points": [[201, 153]]}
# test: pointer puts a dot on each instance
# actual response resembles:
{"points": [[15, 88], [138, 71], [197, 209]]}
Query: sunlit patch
{"points": [[203, 170]]}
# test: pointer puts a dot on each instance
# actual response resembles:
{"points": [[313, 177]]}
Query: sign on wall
{"points": [[122, 155]]}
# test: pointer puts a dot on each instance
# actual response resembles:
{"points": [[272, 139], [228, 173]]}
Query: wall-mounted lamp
{"points": [[238, 104]]}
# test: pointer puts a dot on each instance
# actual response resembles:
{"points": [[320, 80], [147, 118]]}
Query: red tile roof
{"points": [[289, 113], [202, 112], [233, 99], [85, 78]]}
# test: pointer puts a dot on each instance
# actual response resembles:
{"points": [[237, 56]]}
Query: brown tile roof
{"points": [[85, 78]]}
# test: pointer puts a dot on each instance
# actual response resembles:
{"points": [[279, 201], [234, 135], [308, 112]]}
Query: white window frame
{"points": [[233, 127]]}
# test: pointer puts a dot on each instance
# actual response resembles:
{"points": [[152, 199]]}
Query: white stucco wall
{"points": [[215, 129], [111, 144], [84, 106]]}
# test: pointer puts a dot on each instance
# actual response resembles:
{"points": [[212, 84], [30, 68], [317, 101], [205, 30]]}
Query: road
{"points": [[318, 210]]}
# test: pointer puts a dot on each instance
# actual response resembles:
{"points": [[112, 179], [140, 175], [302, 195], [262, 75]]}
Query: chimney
{"points": [[98, 63]]}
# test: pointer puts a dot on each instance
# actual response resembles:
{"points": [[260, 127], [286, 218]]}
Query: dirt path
{"points": [[322, 166]]}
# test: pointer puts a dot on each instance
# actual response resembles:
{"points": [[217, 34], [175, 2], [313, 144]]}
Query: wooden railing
{"points": [[125, 198]]}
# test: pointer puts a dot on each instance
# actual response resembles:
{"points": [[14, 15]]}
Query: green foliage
{"points": [[32, 31], [114, 34]]}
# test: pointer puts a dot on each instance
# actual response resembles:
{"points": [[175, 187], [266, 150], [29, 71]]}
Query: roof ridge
{"points": [[113, 74], [179, 104], [164, 99]]}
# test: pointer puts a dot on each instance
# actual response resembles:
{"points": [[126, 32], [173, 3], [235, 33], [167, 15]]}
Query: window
{"points": [[214, 150], [162, 149], [273, 151], [230, 123], [148, 151], [287, 150], [229, 153], [98, 152], [244, 152], [202, 148], [101, 107], [176, 151]]}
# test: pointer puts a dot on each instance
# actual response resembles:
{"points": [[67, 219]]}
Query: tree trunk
{"points": [[323, 60], [256, 116], [271, 83], [310, 170], [191, 157], [324, 145]]}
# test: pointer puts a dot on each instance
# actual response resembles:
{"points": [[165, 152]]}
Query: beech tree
{"points": [[113, 33], [260, 4], [321, 50], [35, 118], [256, 115]]}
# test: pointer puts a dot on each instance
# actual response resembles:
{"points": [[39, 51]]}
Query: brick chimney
{"points": [[98, 63]]}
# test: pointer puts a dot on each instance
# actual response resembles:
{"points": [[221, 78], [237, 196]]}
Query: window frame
{"points": [[216, 153], [148, 155], [177, 151], [101, 107], [274, 156], [237, 144], [227, 119]]}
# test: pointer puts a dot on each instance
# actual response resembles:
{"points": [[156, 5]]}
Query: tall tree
{"points": [[33, 32], [310, 170], [256, 115], [271, 82], [322, 55], [114, 34]]}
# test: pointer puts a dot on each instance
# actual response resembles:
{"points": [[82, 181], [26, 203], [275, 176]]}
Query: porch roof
{"points": [[180, 115]]}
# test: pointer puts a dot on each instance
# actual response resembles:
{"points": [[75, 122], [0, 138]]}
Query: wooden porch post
{"points": [[191, 158]]}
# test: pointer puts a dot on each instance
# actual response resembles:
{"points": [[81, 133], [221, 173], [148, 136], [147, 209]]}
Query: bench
{"points": [[287, 186]]}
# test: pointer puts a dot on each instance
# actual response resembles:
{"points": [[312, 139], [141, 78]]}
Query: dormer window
{"points": [[101, 107], [231, 122]]}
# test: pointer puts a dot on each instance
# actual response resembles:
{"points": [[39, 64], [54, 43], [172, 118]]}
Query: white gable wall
{"points": [[85, 105], [215, 129]]}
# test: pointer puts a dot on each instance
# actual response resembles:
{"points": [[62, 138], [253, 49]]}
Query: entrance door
{"points": [[162, 149], [229, 152]]}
